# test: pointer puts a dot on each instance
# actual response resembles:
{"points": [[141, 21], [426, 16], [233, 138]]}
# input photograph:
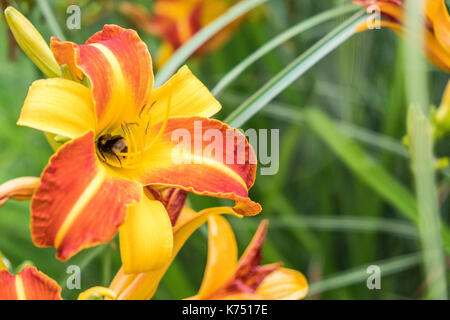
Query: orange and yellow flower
{"points": [[29, 284], [437, 26], [34, 285], [176, 21], [118, 134], [225, 277]]}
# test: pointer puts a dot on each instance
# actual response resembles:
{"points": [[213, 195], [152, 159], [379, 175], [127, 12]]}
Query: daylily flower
{"points": [[34, 285], [176, 21], [225, 277], [29, 284], [121, 139], [229, 279], [142, 286], [437, 26]]}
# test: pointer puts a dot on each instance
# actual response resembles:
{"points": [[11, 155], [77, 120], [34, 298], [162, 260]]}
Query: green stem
{"points": [[360, 274], [421, 149], [294, 70]]}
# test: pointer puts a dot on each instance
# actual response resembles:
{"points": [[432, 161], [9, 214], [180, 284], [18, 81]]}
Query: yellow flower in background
{"points": [[437, 26], [442, 116], [176, 21]]}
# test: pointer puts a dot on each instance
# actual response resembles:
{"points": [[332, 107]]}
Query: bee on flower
{"points": [[114, 137]]}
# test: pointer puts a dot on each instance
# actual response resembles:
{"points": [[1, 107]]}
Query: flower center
{"points": [[126, 146]]}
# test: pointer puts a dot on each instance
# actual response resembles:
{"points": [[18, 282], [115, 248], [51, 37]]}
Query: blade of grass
{"points": [[278, 40], [362, 164], [51, 20], [294, 70], [346, 224], [288, 113], [183, 53], [358, 275], [421, 148]]}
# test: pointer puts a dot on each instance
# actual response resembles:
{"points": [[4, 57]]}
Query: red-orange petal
{"points": [[181, 160], [119, 68], [29, 284], [79, 204]]}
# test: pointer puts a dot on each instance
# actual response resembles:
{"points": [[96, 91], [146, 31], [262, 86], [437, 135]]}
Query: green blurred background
{"points": [[326, 219]]}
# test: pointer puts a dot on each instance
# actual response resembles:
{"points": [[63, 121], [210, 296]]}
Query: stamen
{"points": [[166, 119]]}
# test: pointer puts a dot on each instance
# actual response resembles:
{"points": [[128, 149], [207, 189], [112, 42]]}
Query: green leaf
{"points": [[294, 70], [360, 274], [362, 164], [278, 40]]}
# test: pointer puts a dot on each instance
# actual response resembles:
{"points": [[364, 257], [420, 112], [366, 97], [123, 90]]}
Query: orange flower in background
{"points": [[227, 278], [120, 130], [29, 284], [176, 21], [437, 28]]}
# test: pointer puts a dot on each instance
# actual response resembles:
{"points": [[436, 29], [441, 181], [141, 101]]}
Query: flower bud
{"points": [[32, 43], [18, 189], [443, 112]]}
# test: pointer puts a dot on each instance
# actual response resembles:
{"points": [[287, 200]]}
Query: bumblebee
{"points": [[113, 146]]}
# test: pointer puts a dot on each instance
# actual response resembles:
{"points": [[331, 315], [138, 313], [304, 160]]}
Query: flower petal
{"points": [[146, 238], [29, 284], [224, 168], [18, 189], [438, 14], [58, 106], [119, 68], [283, 284], [142, 286], [222, 256], [79, 204], [174, 200], [189, 98]]}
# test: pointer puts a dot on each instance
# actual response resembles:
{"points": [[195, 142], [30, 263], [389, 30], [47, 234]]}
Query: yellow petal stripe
{"points": [[222, 256], [189, 97], [283, 284]]}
